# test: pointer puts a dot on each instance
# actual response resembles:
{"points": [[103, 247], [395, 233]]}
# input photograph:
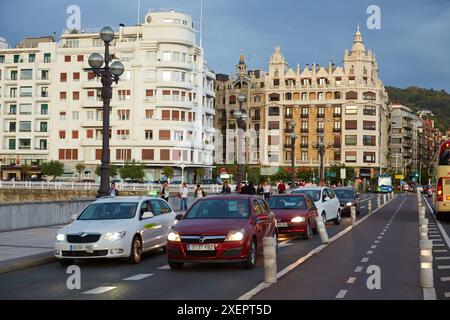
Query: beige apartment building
{"points": [[162, 108], [344, 107]]}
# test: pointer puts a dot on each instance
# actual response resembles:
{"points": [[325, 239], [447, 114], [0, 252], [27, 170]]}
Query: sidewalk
{"points": [[24, 248]]}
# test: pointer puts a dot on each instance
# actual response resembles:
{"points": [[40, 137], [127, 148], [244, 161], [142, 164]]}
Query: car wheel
{"points": [[250, 262], [136, 251], [176, 265], [66, 262], [337, 220], [324, 218], [308, 233]]}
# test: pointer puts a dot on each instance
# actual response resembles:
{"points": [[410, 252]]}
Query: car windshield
{"points": [[314, 195], [219, 209], [344, 193], [287, 203], [109, 211]]}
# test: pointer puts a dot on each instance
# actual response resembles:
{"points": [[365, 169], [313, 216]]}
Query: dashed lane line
{"points": [[99, 290], [359, 269], [341, 294], [351, 280], [365, 260], [166, 267], [138, 277]]}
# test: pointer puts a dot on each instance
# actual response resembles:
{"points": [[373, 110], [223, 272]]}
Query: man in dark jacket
{"points": [[113, 192]]}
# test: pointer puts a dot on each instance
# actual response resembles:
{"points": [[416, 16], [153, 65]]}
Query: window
{"points": [[76, 76], [178, 135], [25, 126], [350, 156], [76, 95], [67, 58], [62, 115], [25, 109], [123, 115], [337, 111], [337, 126], [89, 134], [148, 154], [274, 140], [274, 111], [320, 112], [44, 74], [2, 58], [164, 135], [304, 155], [62, 134], [13, 75], [12, 127], [26, 91], [305, 112], [351, 124], [68, 154], [164, 155], [165, 115], [351, 140], [123, 134], [44, 92], [369, 96], [26, 74], [149, 114], [274, 125], [63, 77], [44, 109], [75, 115], [148, 134], [16, 58], [337, 156], [351, 110], [369, 125], [43, 127], [62, 95], [13, 109], [304, 96], [370, 111], [149, 93], [351, 95], [151, 75], [176, 155], [24, 144], [124, 94], [11, 144], [369, 140], [74, 134], [369, 157], [123, 154], [175, 115], [166, 75], [80, 58], [47, 57]]}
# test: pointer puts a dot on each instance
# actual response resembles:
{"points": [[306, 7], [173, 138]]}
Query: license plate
{"points": [[201, 247], [282, 224], [76, 248], [88, 249]]}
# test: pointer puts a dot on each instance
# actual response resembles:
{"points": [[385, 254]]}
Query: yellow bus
{"points": [[441, 198]]}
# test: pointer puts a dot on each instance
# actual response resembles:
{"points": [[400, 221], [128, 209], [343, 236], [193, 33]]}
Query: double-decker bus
{"points": [[441, 198]]}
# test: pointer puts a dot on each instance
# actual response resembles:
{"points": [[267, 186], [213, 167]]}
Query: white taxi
{"points": [[122, 227]]}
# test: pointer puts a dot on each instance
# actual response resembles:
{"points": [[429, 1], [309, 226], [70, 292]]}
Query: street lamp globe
{"points": [[237, 114], [242, 98], [117, 68], [95, 61], [293, 136], [293, 124], [244, 116], [107, 34]]}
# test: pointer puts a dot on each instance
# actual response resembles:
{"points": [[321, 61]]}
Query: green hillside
{"points": [[417, 99]]}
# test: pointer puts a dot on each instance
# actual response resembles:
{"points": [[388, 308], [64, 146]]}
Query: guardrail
{"points": [[43, 185]]}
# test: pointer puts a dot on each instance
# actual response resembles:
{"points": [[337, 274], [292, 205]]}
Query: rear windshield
{"points": [[344, 193], [287, 203], [314, 195], [109, 211], [219, 209]]}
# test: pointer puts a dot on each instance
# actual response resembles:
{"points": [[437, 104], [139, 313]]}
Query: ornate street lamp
{"points": [[108, 75], [293, 139], [241, 118], [321, 148]]}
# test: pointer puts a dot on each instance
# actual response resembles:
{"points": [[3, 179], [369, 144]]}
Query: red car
{"points": [[295, 214], [217, 229]]}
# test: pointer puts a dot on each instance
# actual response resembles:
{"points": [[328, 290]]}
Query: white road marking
{"points": [[429, 294], [166, 267], [442, 258], [284, 244], [365, 260], [444, 267], [436, 240], [138, 277], [380, 238], [447, 294], [445, 279], [369, 252], [377, 242], [341, 294], [438, 245], [351, 280], [99, 290], [439, 224], [359, 269], [373, 247], [440, 251]]}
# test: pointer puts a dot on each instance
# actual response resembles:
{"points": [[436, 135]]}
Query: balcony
{"points": [[320, 115], [337, 130], [304, 146], [288, 146], [320, 130], [304, 116], [288, 116], [256, 118], [304, 130], [337, 115], [287, 131]]}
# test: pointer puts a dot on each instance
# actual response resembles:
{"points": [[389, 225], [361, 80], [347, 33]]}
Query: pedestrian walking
{"points": [[281, 188], [267, 191], [260, 189], [113, 192], [199, 192], [165, 192], [184, 193], [226, 188]]}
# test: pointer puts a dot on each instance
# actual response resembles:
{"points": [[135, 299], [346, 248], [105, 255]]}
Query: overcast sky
{"points": [[412, 47]]}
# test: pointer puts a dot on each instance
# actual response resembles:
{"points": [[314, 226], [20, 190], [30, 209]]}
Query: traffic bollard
{"points": [[270, 260], [322, 230], [423, 233], [353, 215], [384, 198], [379, 201], [426, 264], [422, 211], [392, 195], [369, 207], [423, 222]]}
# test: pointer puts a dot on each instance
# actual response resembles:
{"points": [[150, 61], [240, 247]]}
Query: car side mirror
{"points": [[326, 199], [179, 217], [74, 217], [147, 215]]}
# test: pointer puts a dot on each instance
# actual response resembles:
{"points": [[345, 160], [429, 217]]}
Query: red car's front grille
{"points": [[201, 254], [203, 240]]}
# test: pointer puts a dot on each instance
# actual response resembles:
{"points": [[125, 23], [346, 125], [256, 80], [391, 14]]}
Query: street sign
{"points": [[399, 177], [343, 174]]}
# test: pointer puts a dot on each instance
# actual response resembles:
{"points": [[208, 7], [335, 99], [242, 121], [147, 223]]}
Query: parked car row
{"points": [[227, 229]]}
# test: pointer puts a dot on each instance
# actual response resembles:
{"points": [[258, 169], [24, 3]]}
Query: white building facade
{"points": [[162, 111]]}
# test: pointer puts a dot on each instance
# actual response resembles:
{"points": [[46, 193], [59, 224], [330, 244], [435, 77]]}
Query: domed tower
{"points": [[358, 61], [241, 67], [277, 64]]}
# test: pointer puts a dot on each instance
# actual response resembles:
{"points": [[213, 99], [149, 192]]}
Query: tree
{"points": [[306, 174], [132, 170], [336, 173], [112, 172], [282, 174], [80, 167], [199, 173], [26, 169], [168, 172], [254, 174], [52, 169]]}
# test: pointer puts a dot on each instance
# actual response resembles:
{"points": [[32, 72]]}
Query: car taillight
{"points": [[440, 190]]}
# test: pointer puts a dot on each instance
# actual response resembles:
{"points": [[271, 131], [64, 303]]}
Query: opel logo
{"points": [[201, 239], [83, 234]]}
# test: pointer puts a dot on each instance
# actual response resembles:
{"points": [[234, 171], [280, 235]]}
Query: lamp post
{"points": [[109, 75], [182, 165], [321, 148], [241, 119], [293, 139]]}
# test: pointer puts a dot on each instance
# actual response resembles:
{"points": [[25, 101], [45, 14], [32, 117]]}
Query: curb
{"points": [[26, 262]]}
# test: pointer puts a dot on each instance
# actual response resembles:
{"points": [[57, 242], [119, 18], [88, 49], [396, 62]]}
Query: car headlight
{"points": [[115, 236], [298, 219], [60, 237], [349, 204], [174, 236], [235, 235]]}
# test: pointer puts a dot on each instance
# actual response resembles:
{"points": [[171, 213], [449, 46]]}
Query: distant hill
{"points": [[417, 99]]}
